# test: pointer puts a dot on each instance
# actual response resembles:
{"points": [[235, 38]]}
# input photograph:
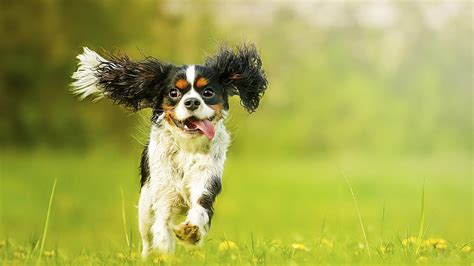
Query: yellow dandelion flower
{"points": [[120, 255], [299, 246], [160, 258], [436, 241], [3, 243], [409, 241], [441, 246], [386, 248], [466, 249], [133, 256], [426, 244], [276, 242], [421, 259], [19, 254], [49, 254], [227, 245], [327, 243], [199, 254]]}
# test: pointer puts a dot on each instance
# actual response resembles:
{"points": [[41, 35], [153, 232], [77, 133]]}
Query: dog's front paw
{"points": [[188, 233]]}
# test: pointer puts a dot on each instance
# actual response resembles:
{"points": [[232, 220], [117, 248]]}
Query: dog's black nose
{"points": [[192, 103]]}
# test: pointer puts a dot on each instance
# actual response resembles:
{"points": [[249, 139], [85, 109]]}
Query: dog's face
{"points": [[194, 100]]}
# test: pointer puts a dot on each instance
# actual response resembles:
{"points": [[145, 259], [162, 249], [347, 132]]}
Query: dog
{"points": [[182, 162]]}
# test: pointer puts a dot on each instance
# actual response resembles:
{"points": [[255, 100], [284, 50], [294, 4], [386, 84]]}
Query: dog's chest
{"points": [[189, 166], [176, 170], [176, 167]]}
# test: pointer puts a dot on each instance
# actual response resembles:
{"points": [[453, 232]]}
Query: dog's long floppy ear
{"points": [[134, 85], [240, 71]]}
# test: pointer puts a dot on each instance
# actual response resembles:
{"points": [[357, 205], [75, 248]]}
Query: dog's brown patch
{"points": [[169, 113], [218, 110], [181, 84], [201, 82]]}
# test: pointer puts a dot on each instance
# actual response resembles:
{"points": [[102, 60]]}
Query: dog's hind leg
{"points": [[163, 238]]}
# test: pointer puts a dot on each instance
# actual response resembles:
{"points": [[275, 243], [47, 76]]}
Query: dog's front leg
{"points": [[203, 191]]}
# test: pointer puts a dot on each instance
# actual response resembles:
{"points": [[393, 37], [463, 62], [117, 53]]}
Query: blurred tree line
{"points": [[406, 87]]}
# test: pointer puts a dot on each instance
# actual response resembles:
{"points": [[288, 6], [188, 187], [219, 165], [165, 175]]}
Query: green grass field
{"points": [[271, 211]]}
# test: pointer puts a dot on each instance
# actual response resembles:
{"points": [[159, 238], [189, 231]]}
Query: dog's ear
{"points": [[240, 71], [135, 85]]}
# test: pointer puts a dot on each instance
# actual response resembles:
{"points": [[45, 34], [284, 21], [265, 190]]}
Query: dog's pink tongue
{"points": [[205, 126]]}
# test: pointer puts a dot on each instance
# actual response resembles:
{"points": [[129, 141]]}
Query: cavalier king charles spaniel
{"points": [[182, 162]]}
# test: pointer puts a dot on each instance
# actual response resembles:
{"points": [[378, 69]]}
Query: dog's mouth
{"points": [[194, 126]]}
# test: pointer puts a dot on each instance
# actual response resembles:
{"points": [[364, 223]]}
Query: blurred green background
{"points": [[381, 91]]}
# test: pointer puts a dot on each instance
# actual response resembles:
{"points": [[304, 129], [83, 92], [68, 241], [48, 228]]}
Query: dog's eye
{"points": [[208, 93], [174, 93]]}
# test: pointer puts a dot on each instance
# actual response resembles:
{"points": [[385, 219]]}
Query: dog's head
{"points": [[193, 98]]}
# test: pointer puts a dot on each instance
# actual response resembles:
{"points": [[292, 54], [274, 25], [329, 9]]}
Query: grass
{"points": [[362, 226], [421, 231], [124, 218], [271, 211], [252, 251], [46, 223]]}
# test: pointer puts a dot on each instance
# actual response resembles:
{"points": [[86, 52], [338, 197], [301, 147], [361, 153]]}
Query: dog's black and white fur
{"points": [[182, 163]]}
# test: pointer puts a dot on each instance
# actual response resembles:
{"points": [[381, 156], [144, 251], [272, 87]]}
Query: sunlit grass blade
{"points": [[465, 244], [48, 213], [383, 220], [421, 230], [124, 219], [358, 214], [323, 228]]}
